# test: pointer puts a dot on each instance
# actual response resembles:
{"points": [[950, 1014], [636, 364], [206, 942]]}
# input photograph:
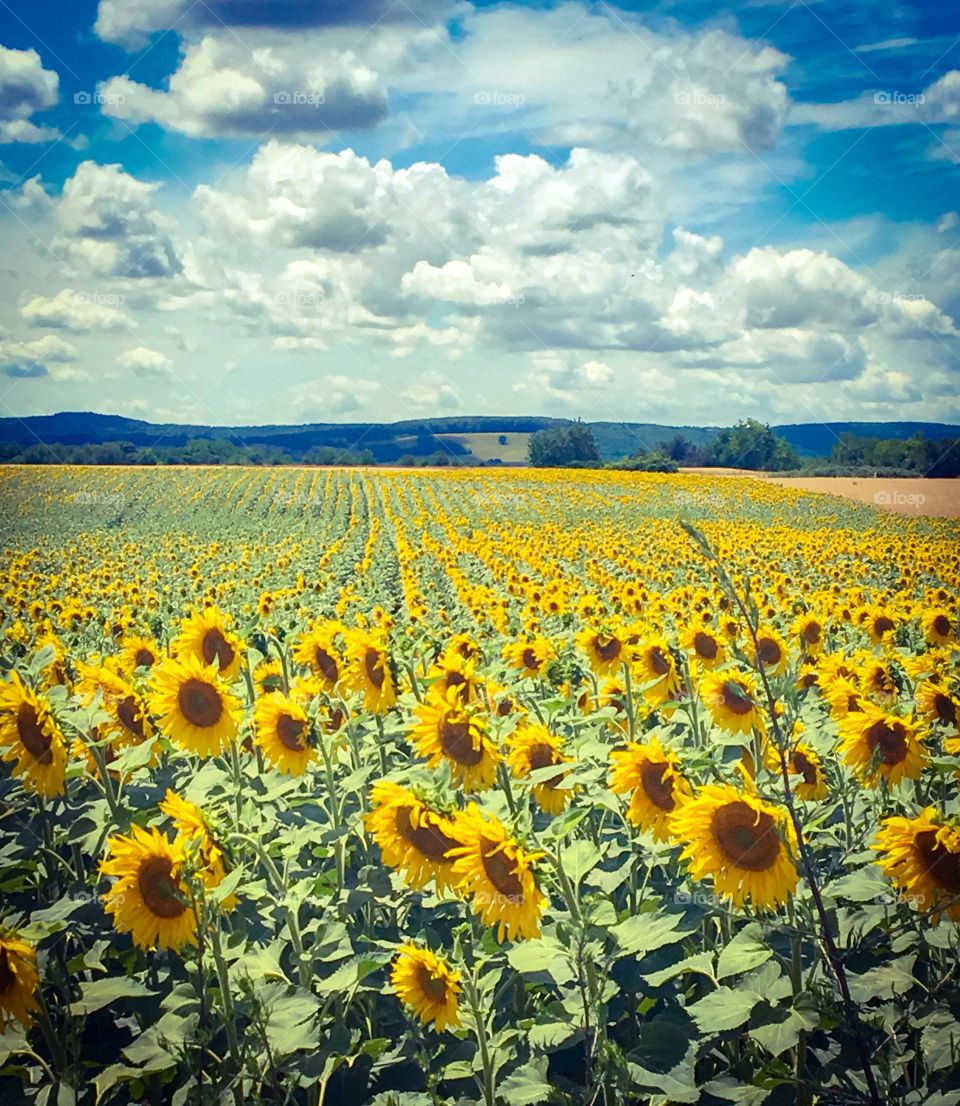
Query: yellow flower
{"points": [[205, 637], [498, 873], [937, 705], [703, 643], [19, 981], [879, 745], [922, 859], [31, 739], [455, 734], [532, 747], [605, 650], [740, 840], [770, 650], [530, 658], [192, 825], [732, 700], [196, 711], [651, 776], [427, 985], [413, 839], [939, 627], [139, 652], [149, 899], [654, 662], [283, 732], [370, 671], [319, 652], [811, 631]]}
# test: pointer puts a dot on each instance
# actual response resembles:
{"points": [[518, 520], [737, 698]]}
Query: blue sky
{"points": [[231, 211]]}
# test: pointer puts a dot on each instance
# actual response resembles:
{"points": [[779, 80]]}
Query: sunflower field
{"points": [[589, 788]]}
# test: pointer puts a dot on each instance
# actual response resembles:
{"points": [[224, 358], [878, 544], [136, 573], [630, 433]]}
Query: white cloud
{"points": [[37, 357], [72, 310], [146, 362], [25, 88], [432, 391]]}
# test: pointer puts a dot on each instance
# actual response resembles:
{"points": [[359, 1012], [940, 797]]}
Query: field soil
{"points": [[904, 495]]}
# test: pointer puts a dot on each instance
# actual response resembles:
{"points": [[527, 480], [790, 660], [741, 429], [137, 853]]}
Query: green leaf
{"points": [[226, 887], [580, 857], [646, 932], [290, 1023], [101, 992], [729, 1091], [528, 1085], [784, 1029], [884, 982], [700, 963], [723, 1009], [747, 950]]}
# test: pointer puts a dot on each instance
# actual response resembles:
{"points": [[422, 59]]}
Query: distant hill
{"points": [[422, 437]]}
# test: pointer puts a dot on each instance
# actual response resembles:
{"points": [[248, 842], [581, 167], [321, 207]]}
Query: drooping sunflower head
{"points": [[651, 776], [878, 745], [31, 739], [19, 981], [532, 749], [195, 709], [656, 667], [283, 733], [149, 899], [530, 658], [425, 982], [370, 671], [843, 696], [204, 635], [733, 700], [204, 851], [921, 857], [456, 734], [743, 842], [497, 873], [413, 838]]}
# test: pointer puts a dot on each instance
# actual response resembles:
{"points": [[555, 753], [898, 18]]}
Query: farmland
{"points": [[495, 786]]}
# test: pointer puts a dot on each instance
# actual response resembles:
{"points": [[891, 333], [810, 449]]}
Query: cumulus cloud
{"points": [[432, 391], [335, 394], [44, 356], [25, 88], [110, 227], [938, 103], [146, 362], [79, 311]]}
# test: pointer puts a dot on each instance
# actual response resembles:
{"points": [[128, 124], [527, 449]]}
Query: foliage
{"points": [[572, 445], [751, 445], [914, 456]]}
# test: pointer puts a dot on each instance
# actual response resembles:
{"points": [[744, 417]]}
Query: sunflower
{"points": [[283, 733], [879, 680], [744, 842], [651, 776], [878, 623], [771, 651], [605, 650], [532, 747], [879, 745], [702, 643], [843, 697], [129, 713], [31, 739], [268, 676], [413, 839], [139, 652], [453, 671], [149, 899], [923, 860], [811, 632], [462, 645], [498, 872], [195, 709], [732, 700], [205, 637], [426, 984], [937, 705], [192, 826], [530, 658], [803, 761], [657, 669], [370, 671], [451, 732], [19, 981], [319, 652], [939, 627]]}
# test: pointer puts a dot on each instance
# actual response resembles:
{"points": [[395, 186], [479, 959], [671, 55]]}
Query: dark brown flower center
{"points": [[143, 658], [658, 662], [37, 743], [425, 838], [7, 978], [542, 756], [943, 866], [607, 649], [217, 648], [746, 838], [327, 665], [769, 651], [941, 625], [945, 708], [882, 624], [890, 741], [705, 645], [736, 699], [128, 711], [500, 871], [289, 731], [375, 665], [530, 659], [805, 767], [158, 889], [657, 785], [200, 703], [504, 706], [435, 989], [812, 633], [456, 740]]}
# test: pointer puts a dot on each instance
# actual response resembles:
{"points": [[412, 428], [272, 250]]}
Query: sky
{"points": [[240, 211]]}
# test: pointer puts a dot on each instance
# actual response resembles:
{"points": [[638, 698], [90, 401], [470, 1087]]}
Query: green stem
{"points": [[628, 695]]}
